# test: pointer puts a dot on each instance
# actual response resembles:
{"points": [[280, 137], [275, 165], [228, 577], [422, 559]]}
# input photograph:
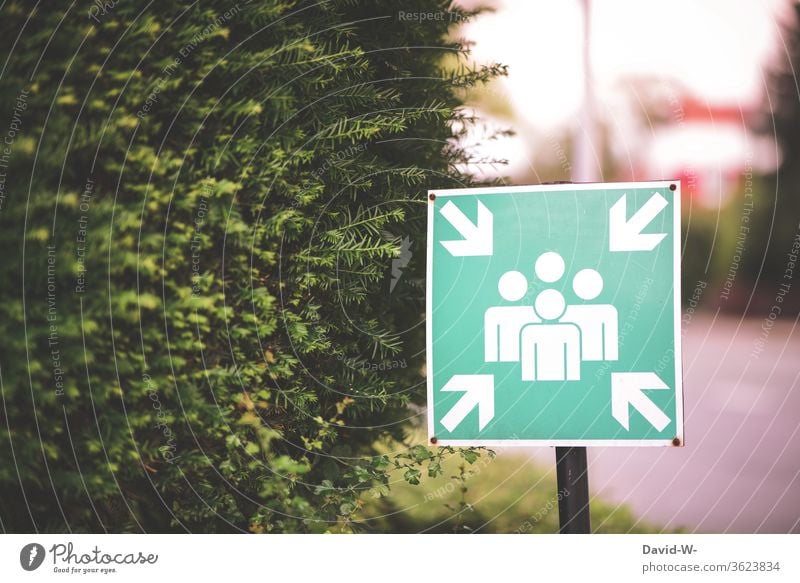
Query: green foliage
{"points": [[202, 205], [481, 492]]}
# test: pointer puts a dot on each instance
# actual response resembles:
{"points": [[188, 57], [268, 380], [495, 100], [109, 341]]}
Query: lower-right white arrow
{"points": [[626, 391]]}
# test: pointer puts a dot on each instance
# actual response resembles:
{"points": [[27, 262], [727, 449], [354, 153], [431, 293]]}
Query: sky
{"points": [[718, 51]]}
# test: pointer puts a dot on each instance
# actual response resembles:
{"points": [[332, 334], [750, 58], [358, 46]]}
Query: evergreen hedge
{"points": [[201, 207]]}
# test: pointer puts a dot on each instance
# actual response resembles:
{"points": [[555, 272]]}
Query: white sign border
{"points": [[567, 186]]}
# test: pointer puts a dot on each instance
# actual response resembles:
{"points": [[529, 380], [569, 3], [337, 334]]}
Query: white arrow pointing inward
{"points": [[626, 391], [478, 392], [626, 235], [477, 238]]}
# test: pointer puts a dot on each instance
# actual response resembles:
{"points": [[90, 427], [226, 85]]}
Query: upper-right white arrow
{"points": [[626, 235]]}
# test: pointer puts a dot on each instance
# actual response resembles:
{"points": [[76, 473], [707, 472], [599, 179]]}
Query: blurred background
{"points": [[593, 93]]}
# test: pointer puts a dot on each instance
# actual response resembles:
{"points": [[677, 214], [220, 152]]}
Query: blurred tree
{"points": [[201, 205], [776, 200]]}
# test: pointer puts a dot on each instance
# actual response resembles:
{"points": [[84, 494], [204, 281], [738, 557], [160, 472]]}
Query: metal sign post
{"points": [[572, 476]]}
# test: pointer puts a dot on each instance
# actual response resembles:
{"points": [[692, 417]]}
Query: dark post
{"points": [[572, 476]]}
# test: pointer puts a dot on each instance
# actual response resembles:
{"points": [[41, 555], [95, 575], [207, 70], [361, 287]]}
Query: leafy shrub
{"points": [[202, 204]]}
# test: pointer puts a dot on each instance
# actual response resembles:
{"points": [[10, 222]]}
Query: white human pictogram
{"points": [[598, 322], [549, 267], [502, 324], [550, 351], [550, 339]]}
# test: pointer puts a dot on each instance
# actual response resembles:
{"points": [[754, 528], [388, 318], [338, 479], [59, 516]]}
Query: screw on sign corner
{"points": [[676, 441], [431, 197], [434, 440], [673, 187]]}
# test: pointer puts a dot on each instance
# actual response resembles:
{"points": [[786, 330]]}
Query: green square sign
{"points": [[553, 315]]}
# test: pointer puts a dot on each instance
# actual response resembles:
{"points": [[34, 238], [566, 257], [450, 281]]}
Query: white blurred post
{"points": [[586, 156], [572, 471]]}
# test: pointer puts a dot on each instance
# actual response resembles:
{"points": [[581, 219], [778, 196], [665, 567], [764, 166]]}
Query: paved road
{"points": [[740, 470]]}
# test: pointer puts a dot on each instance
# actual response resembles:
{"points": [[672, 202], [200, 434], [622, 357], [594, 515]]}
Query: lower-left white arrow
{"points": [[478, 392]]}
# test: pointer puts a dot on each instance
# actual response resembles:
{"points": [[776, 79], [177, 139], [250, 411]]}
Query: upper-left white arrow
{"points": [[478, 238]]}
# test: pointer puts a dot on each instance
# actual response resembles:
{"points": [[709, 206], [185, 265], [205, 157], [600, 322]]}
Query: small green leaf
{"points": [[420, 453], [470, 455], [412, 476]]}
